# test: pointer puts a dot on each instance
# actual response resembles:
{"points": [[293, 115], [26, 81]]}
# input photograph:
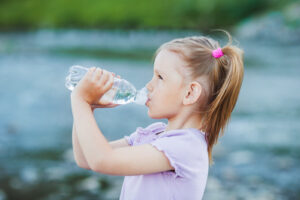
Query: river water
{"points": [[257, 158]]}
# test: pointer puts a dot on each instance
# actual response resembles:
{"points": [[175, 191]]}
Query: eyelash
{"points": [[159, 76]]}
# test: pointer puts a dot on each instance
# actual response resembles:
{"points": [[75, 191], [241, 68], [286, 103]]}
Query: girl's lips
{"points": [[147, 102]]}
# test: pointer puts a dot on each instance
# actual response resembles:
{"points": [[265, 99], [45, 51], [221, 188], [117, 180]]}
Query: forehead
{"points": [[169, 62]]}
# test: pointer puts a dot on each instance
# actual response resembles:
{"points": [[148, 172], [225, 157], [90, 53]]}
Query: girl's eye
{"points": [[159, 76]]}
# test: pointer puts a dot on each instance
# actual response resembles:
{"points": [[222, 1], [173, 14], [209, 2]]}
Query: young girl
{"points": [[195, 86]]}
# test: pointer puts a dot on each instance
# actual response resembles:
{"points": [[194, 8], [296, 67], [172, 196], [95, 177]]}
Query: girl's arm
{"points": [[115, 143], [99, 154], [77, 151], [78, 154], [94, 145], [119, 143], [103, 158]]}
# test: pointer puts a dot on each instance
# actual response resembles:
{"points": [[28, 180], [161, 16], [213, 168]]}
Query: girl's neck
{"points": [[184, 120]]}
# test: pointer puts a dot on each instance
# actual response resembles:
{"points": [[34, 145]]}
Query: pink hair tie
{"points": [[217, 53]]}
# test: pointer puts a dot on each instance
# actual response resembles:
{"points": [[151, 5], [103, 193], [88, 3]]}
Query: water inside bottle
{"points": [[119, 95]]}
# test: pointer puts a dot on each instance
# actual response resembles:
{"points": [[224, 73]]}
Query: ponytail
{"points": [[227, 77]]}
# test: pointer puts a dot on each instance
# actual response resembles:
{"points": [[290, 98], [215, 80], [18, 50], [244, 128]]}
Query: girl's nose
{"points": [[148, 86]]}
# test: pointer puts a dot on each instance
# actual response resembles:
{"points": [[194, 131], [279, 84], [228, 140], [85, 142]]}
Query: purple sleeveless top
{"points": [[186, 150]]}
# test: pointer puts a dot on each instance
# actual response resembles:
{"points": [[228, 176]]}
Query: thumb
{"points": [[103, 101]]}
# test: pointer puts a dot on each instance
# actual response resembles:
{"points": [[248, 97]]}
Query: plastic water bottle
{"points": [[122, 92]]}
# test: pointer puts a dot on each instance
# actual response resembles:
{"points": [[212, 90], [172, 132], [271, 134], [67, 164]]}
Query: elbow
{"points": [[82, 165], [105, 167], [96, 166]]}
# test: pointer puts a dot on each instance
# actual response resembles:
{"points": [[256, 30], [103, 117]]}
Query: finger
{"points": [[104, 78], [118, 76], [109, 83], [92, 69], [97, 74], [110, 105], [106, 106], [90, 72], [103, 102]]}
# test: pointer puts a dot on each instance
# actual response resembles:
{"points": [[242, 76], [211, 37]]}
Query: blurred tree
{"points": [[192, 14]]}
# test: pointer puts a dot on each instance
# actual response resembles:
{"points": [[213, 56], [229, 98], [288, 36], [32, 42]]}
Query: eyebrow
{"points": [[159, 72]]}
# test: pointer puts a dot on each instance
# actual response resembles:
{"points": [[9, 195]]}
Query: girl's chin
{"points": [[154, 116]]}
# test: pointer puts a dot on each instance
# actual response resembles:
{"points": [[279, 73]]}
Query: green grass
{"points": [[129, 14]]}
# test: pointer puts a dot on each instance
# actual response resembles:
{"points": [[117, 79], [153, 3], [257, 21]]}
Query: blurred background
{"points": [[257, 158]]}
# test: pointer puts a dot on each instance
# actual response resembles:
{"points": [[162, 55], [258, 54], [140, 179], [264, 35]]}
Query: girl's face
{"points": [[166, 89]]}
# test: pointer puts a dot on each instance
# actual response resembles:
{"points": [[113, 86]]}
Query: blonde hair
{"points": [[225, 76]]}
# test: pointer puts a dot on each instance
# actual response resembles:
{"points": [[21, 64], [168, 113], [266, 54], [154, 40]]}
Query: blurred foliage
{"points": [[190, 14]]}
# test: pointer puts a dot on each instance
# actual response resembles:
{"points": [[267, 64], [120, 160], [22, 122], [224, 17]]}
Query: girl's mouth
{"points": [[147, 102]]}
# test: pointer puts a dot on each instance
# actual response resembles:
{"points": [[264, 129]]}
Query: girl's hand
{"points": [[95, 83], [104, 104]]}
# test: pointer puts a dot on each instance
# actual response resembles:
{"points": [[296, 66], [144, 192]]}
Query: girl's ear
{"points": [[193, 93]]}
